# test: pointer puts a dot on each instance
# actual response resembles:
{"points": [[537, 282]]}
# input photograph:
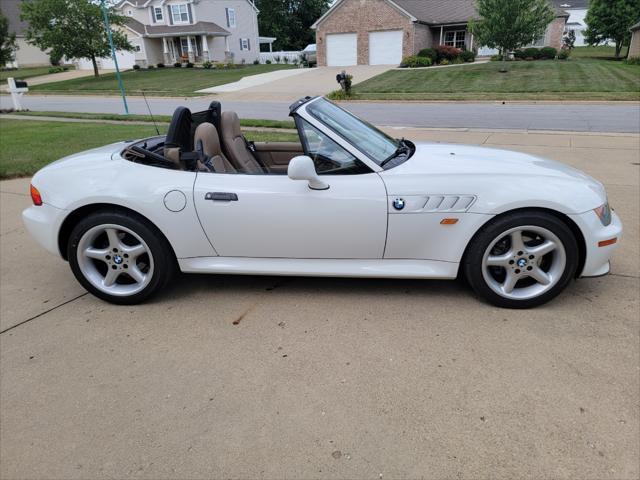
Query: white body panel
{"points": [[281, 226], [342, 49], [385, 48]]}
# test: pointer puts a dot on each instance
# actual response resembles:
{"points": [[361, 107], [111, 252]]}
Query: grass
{"points": [[601, 51], [580, 78], [166, 81], [249, 122], [23, 73], [26, 145]]}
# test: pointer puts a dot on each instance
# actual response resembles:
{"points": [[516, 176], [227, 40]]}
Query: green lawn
{"points": [[28, 145], [167, 81], [23, 73], [581, 78], [601, 51]]}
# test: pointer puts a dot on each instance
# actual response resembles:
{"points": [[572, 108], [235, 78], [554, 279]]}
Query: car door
{"points": [[273, 216]]}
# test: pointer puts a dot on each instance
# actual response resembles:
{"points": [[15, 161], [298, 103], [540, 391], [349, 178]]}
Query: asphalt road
{"points": [[265, 377], [624, 118]]}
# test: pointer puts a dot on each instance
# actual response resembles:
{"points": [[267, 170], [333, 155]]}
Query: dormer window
{"points": [[231, 18], [179, 13], [157, 14]]}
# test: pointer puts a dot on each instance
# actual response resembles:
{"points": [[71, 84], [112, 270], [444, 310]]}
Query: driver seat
{"points": [[236, 145], [207, 144]]}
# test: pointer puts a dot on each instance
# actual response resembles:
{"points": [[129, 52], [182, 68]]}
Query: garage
{"points": [[385, 48], [126, 60], [342, 49]]}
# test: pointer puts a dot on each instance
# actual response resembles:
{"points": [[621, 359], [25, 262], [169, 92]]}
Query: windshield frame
{"points": [[378, 161]]}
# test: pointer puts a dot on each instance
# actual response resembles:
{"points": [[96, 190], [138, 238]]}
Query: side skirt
{"points": [[377, 268]]}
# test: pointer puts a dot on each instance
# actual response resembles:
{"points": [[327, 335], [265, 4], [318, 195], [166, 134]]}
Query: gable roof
{"points": [[635, 27], [145, 3], [198, 28], [11, 10], [438, 12]]}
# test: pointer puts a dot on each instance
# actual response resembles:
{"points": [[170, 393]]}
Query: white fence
{"points": [[279, 57]]}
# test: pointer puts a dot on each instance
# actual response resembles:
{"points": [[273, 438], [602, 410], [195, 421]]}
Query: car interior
{"points": [[212, 141]]}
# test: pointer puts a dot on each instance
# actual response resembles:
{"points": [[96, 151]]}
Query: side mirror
{"points": [[302, 168]]}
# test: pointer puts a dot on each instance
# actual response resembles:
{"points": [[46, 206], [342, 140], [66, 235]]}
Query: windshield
{"points": [[365, 137]]}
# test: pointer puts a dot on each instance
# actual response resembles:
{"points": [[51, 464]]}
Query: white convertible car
{"points": [[346, 200]]}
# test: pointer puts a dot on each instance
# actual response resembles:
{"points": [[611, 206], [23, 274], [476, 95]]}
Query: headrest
{"points": [[231, 124], [207, 135]]}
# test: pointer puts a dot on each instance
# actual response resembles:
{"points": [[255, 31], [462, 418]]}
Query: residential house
{"points": [[378, 32], [634, 46], [170, 31], [577, 10], [26, 55]]}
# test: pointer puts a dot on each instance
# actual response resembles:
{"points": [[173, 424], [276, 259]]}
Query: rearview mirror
{"points": [[302, 168]]}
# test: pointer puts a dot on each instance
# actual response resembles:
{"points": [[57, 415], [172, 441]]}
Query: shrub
{"points": [[65, 68], [276, 58], [429, 53], [160, 65], [447, 53], [519, 54], [136, 67], [56, 70], [207, 65], [189, 65], [268, 62], [177, 65], [496, 58], [151, 67], [55, 58], [548, 53], [632, 61], [444, 61], [563, 54], [531, 53], [256, 62], [416, 62], [468, 56]]}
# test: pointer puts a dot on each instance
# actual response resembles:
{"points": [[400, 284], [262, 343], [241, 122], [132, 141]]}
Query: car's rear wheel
{"points": [[521, 260], [119, 258]]}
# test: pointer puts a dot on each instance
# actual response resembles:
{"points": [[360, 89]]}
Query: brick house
{"points": [[634, 46], [378, 32]]}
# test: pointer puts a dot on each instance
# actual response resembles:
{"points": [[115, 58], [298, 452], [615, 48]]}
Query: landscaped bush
{"points": [[189, 65], [55, 58], [444, 61], [632, 61], [519, 54], [429, 53], [207, 65], [161, 65], [56, 70], [532, 53], [563, 54], [256, 62], [548, 53], [445, 52], [276, 58], [65, 68], [151, 67], [177, 65], [468, 56], [415, 62], [136, 67], [268, 62]]}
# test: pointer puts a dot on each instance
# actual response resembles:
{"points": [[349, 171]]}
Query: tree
{"points": [[511, 24], [73, 28], [7, 41], [290, 21], [611, 20]]}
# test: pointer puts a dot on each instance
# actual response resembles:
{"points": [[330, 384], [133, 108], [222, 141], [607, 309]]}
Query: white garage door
{"points": [[342, 49], [126, 60], [385, 48]]}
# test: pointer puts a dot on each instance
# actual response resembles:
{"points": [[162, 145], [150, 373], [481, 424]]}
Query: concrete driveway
{"points": [[263, 377]]}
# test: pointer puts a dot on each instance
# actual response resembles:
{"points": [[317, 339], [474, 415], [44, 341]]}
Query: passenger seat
{"points": [[207, 143], [236, 145]]}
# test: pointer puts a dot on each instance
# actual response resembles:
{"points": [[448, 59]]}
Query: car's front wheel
{"points": [[119, 258], [521, 260]]}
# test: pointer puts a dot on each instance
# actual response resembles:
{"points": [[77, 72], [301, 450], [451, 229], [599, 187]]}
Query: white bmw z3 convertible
{"points": [[346, 200]]}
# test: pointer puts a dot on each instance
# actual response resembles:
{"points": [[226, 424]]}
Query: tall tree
{"points": [[510, 24], [290, 21], [611, 20], [7, 41], [73, 28]]}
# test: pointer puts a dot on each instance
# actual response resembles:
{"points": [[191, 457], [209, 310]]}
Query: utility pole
{"points": [[113, 55]]}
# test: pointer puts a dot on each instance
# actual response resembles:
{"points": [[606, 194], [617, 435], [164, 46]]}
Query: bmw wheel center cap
{"points": [[398, 204]]}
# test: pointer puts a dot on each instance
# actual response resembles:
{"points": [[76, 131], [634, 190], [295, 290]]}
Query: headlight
{"points": [[604, 214]]}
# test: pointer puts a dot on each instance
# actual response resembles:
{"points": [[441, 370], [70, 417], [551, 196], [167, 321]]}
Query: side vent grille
{"points": [[448, 203]]}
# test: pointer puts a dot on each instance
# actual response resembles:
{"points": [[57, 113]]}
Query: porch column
{"points": [[270, 47], [165, 51], [205, 49], [471, 42], [441, 33], [192, 57]]}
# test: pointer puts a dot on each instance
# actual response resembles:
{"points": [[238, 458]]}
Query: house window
{"points": [[245, 44], [179, 13], [129, 13], [184, 46], [157, 14], [231, 18], [137, 48], [455, 38]]}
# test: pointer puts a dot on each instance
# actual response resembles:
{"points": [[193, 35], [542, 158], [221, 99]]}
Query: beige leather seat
{"points": [[235, 145], [206, 141]]}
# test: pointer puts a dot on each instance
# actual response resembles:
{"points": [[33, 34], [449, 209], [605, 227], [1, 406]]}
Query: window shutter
{"points": [[153, 14], [170, 16], [189, 13], [241, 45], [248, 44], [226, 11]]}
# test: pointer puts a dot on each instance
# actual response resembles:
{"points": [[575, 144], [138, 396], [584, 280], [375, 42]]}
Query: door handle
{"points": [[221, 197]]}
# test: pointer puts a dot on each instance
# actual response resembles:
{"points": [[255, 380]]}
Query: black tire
{"points": [[164, 262], [472, 266]]}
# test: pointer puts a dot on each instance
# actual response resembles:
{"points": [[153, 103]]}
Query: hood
{"points": [[495, 177]]}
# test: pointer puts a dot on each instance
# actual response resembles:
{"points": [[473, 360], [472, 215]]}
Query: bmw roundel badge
{"points": [[398, 204]]}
